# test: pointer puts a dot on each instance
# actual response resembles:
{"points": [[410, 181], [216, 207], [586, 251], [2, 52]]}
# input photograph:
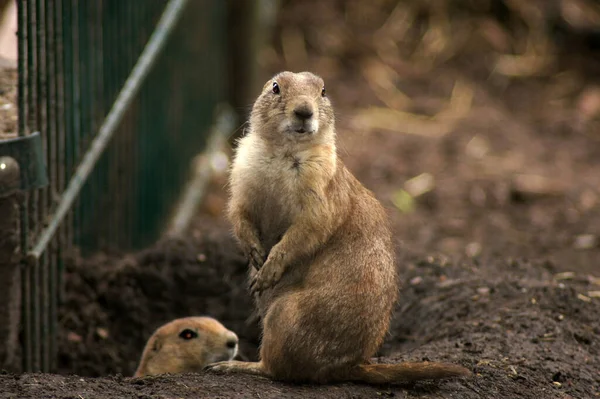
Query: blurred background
{"points": [[477, 124], [476, 121]]}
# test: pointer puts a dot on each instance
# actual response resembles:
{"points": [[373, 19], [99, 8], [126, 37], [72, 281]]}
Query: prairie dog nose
{"points": [[303, 111], [232, 341]]}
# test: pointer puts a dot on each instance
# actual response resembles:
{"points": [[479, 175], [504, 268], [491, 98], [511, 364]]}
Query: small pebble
{"points": [[564, 276], [420, 184], [477, 147], [416, 280], [584, 298], [585, 241], [473, 249], [74, 337], [102, 332]]}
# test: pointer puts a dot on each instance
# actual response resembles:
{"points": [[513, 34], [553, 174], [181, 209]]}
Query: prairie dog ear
{"points": [[157, 344]]}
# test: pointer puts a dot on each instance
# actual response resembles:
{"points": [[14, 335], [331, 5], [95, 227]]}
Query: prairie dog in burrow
{"points": [[187, 345], [326, 283]]}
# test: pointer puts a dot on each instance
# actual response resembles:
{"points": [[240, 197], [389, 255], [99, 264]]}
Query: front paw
{"points": [[256, 255], [267, 277], [218, 367]]}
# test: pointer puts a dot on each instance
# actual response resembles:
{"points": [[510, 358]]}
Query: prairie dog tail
{"points": [[406, 372]]}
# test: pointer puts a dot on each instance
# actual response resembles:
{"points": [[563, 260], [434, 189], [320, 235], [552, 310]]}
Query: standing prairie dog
{"points": [[320, 242], [187, 345]]}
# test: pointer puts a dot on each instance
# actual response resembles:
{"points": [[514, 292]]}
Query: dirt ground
{"points": [[523, 329], [492, 183]]}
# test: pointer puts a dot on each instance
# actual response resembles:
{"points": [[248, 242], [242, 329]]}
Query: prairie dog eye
{"points": [[275, 88], [323, 92], [188, 334]]}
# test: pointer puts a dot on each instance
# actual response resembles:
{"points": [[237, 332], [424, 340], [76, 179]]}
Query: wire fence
{"points": [[118, 131]]}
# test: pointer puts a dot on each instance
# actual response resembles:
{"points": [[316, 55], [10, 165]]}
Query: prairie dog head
{"points": [[187, 345], [293, 108]]}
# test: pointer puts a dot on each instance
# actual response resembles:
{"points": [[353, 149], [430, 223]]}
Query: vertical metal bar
{"points": [[122, 70], [34, 198], [57, 100], [76, 132], [102, 101], [102, 62], [35, 296], [70, 38], [163, 117], [138, 131], [45, 200], [120, 145], [67, 91], [52, 80], [141, 200], [41, 194], [107, 168], [91, 124], [65, 237], [63, 111], [64, 15], [44, 311], [101, 173], [67, 64], [123, 138], [125, 162], [114, 80], [114, 178], [130, 180], [22, 23], [31, 111], [39, 124], [121, 167], [84, 132], [141, 129], [134, 147]]}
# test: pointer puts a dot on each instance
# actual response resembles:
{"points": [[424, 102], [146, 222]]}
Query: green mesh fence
{"points": [[74, 58]]}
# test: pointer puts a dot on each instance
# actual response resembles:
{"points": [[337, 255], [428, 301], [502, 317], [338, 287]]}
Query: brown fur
{"points": [[167, 352], [320, 242]]}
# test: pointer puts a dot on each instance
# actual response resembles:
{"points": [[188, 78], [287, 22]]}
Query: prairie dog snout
{"points": [[305, 115]]}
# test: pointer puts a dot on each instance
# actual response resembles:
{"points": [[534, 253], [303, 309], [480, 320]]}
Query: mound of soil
{"points": [[112, 305], [524, 330]]}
